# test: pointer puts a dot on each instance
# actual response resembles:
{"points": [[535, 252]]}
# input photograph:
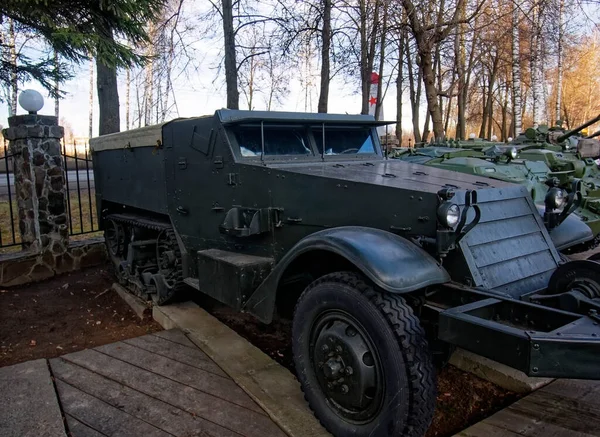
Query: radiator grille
{"points": [[509, 251]]}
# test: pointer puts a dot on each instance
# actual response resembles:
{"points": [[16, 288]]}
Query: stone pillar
{"points": [[40, 189]]}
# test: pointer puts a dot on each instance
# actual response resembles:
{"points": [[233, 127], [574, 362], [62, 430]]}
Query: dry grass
{"points": [[82, 219]]}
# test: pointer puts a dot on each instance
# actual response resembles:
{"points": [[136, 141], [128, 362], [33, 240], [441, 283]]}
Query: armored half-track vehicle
{"points": [[577, 231], [379, 262]]}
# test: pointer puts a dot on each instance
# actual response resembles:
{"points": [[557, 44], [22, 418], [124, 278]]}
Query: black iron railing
{"points": [[81, 198], [9, 220]]}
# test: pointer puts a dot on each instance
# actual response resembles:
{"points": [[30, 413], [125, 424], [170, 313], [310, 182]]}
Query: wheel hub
{"points": [[347, 367], [332, 368]]}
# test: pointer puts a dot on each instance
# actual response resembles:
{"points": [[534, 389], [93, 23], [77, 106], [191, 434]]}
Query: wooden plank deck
{"points": [[154, 386], [564, 408]]}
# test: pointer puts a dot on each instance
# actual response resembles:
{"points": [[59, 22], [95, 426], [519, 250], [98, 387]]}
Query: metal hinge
{"points": [[233, 179]]}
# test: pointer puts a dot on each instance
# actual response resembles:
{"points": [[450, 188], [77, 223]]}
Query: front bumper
{"points": [[538, 340]]}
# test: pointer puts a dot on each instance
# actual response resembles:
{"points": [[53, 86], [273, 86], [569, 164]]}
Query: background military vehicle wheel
{"points": [[595, 257], [362, 359]]}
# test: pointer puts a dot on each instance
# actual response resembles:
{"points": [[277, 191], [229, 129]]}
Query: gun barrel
{"points": [[577, 129], [595, 134]]}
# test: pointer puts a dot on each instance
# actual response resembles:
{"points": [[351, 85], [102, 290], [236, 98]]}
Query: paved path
{"points": [[152, 386], [163, 385], [28, 404], [564, 408]]}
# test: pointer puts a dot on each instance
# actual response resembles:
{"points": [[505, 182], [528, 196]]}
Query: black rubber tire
{"points": [[396, 332]]}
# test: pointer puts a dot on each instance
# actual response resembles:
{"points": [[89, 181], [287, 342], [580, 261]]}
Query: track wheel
{"points": [[169, 279], [115, 239], [362, 359], [114, 236]]}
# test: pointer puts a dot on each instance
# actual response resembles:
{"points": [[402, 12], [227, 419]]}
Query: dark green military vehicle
{"points": [[381, 263]]}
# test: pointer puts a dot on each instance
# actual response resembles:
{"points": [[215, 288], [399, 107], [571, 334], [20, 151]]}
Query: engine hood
{"points": [[391, 173]]}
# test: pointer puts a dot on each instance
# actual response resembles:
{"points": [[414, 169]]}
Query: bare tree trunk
{"points": [[325, 64], [438, 69], [91, 100], [537, 77], [487, 121], [169, 83], [504, 114], [381, 62], [399, 88], [431, 92], [426, 131], [516, 71], [108, 95], [559, 61], [149, 79], [367, 50], [364, 69], [231, 71], [447, 116], [462, 85], [127, 96], [250, 85], [415, 95], [14, 83], [56, 86]]}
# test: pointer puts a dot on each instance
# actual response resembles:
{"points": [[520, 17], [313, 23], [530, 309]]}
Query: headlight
{"points": [[512, 153], [448, 214], [556, 198]]}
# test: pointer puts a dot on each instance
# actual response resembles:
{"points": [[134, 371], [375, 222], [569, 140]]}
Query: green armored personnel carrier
{"points": [[377, 261], [566, 156], [498, 163], [568, 152]]}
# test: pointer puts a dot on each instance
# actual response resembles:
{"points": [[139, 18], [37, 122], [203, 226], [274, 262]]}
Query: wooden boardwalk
{"points": [[154, 386], [564, 408]]}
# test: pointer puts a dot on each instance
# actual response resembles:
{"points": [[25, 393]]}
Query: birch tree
{"points": [[516, 69]]}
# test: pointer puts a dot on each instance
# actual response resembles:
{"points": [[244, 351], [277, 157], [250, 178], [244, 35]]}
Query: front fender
{"points": [[571, 232], [391, 262]]}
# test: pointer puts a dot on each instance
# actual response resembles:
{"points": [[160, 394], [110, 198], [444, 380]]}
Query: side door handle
{"points": [[181, 210]]}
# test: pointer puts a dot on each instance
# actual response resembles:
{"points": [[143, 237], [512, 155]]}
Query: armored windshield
{"points": [[278, 140], [344, 140]]}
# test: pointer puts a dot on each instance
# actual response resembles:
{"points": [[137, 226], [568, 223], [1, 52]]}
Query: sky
{"points": [[203, 91], [198, 95]]}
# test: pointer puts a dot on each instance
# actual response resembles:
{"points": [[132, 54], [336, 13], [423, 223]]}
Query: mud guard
{"points": [[391, 262]]}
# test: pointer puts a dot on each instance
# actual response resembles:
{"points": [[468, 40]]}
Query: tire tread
{"points": [[413, 345]]}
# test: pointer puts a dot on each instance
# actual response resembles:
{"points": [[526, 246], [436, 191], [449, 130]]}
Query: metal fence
{"points": [[81, 199], [9, 221]]}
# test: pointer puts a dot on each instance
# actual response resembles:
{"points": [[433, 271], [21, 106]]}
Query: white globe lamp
{"points": [[31, 101], [472, 136]]}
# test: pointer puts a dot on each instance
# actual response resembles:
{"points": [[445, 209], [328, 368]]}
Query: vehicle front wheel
{"points": [[362, 359]]}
